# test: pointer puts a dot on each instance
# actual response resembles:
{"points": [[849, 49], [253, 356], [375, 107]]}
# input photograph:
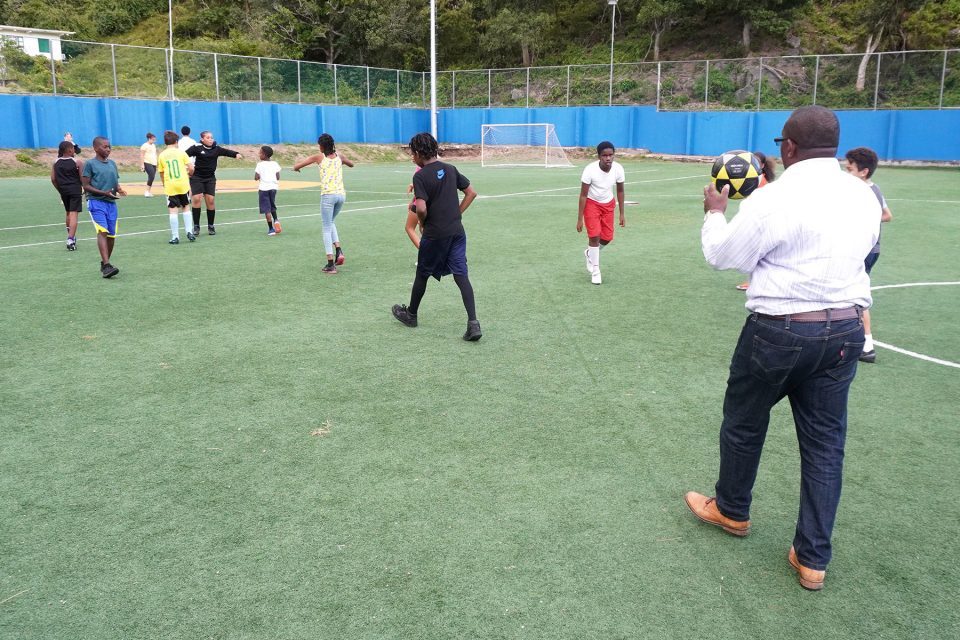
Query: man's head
{"points": [[206, 138], [170, 137], [862, 162], [101, 146], [605, 153], [184, 130], [423, 147], [809, 132], [266, 152]]}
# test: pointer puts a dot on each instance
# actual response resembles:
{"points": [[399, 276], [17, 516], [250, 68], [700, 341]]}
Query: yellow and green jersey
{"points": [[172, 163]]}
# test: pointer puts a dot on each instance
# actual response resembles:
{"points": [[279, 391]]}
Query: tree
{"points": [[510, 32], [661, 15], [881, 22]]}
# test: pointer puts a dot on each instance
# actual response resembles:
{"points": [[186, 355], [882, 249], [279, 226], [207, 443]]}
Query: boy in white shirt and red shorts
{"points": [[597, 203]]}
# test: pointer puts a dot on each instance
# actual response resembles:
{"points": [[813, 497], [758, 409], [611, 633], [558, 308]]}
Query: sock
{"points": [[174, 226], [187, 220], [211, 214], [329, 263], [339, 251], [868, 342], [269, 225], [274, 214], [416, 294], [466, 292], [594, 253], [195, 211]]}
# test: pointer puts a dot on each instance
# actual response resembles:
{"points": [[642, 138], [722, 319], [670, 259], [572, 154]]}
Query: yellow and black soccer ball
{"points": [[739, 169]]}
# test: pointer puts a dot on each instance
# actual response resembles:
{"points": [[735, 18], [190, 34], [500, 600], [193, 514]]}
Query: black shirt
{"points": [[68, 177], [437, 184], [206, 163]]}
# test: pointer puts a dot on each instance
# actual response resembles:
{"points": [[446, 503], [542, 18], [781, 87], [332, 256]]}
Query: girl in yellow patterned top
{"points": [[332, 195]]}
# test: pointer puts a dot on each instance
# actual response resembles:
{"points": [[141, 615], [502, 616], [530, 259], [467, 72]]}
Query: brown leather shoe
{"points": [[809, 578], [706, 509]]}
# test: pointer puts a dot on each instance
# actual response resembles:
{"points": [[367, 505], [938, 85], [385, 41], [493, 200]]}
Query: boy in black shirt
{"points": [[443, 245], [204, 179]]}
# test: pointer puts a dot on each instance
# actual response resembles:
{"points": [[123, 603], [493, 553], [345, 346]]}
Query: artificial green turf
{"points": [[160, 478]]}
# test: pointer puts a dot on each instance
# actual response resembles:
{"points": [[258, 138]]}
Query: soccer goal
{"points": [[521, 145]]}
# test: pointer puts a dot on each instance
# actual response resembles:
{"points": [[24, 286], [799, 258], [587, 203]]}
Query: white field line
{"points": [[927, 201], [915, 284], [914, 354]]}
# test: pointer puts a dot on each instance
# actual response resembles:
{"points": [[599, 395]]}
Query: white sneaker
{"points": [[586, 255], [147, 195], [595, 276]]}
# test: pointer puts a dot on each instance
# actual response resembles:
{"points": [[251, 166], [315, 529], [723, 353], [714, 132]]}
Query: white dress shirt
{"points": [[802, 239]]}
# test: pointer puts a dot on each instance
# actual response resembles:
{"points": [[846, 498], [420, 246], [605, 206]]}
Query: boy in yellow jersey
{"points": [[175, 171]]}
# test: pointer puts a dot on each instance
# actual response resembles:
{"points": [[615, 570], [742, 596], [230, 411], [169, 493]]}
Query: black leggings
{"points": [[151, 170], [466, 292]]}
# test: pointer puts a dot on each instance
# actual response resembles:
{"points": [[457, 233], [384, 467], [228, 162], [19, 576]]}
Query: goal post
{"points": [[521, 145]]}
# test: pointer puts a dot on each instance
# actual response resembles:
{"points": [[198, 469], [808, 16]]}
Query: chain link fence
{"points": [[891, 80]]}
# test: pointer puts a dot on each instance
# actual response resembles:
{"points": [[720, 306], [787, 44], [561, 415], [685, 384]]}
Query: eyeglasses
{"points": [[777, 141]]}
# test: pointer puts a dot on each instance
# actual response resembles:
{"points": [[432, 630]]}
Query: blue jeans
{"points": [[330, 205], [812, 364]]}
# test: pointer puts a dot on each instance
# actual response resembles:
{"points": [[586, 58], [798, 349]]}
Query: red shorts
{"points": [[598, 218]]}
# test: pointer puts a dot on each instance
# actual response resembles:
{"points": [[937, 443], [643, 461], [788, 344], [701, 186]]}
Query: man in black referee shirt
{"points": [[204, 179]]}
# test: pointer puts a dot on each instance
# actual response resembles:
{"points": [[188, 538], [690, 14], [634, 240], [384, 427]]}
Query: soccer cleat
{"points": [[174, 240], [473, 331], [108, 270], [595, 277], [147, 195], [869, 356], [190, 236], [71, 244], [586, 255], [276, 226], [196, 231], [211, 230], [743, 286], [272, 232], [329, 269], [401, 313]]}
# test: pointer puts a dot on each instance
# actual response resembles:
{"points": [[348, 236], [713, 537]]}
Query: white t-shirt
{"points": [[268, 171], [184, 143], [602, 183]]}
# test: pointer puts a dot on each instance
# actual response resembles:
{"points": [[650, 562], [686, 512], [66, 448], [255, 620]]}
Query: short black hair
{"points": [[64, 147], [606, 144], [267, 151], [813, 127], [424, 145], [170, 137], [327, 145], [864, 158], [99, 139], [185, 130]]}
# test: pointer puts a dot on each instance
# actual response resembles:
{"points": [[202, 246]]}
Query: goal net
{"points": [[521, 145]]}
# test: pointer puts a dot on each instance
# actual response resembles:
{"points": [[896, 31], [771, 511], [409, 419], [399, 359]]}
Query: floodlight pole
{"points": [[433, 68], [170, 31], [613, 26]]}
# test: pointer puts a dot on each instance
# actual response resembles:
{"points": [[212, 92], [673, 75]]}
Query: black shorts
{"points": [[203, 185], [268, 201], [71, 202], [178, 201], [440, 257]]}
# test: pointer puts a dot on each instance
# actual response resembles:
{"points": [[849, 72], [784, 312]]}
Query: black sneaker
{"points": [[329, 269], [211, 230], [869, 356], [174, 241], [196, 232], [108, 270], [191, 236], [473, 332], [401, 313]]}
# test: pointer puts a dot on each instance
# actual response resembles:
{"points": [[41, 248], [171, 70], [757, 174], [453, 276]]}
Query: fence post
{"points": [[876, 84], [568, 85], [216, 75], [706, 87], [336, 93], [453, 90], [658, 85], [943, 77], [113, 61], [489, 88], [368, 86], [423, 88], [816, 78], [398, 88], [53, 76], [260, 78], [299, 94], [528, 87], [759, 83]]}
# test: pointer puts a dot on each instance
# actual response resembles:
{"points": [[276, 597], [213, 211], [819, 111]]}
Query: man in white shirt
{"points": [[185, 141], [803, 239], [596, 205]]}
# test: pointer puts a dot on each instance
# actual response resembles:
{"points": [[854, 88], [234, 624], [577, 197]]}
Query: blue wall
{"points": [[39, 121]]}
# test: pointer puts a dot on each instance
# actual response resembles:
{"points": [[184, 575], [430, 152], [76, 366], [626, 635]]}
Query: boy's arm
{"points": [[53, 177], [584, 190], [468, 197], [421, 207], [886, 216], [256, 176], [411, 228], [623, 221]]}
